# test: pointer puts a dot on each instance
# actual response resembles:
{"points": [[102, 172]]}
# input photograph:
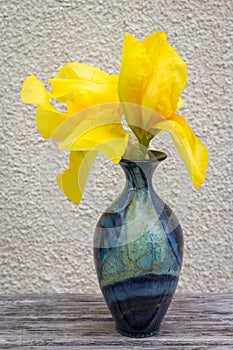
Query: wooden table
{"points": [[76, 322]]}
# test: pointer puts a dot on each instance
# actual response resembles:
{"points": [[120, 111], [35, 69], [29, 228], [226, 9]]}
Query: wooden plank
{"points": [[68, 321]]}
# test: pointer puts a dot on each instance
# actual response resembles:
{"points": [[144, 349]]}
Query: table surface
{"points": [[76, 322]]}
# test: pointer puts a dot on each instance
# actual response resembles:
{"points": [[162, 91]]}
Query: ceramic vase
{"points": [[138, 250]]}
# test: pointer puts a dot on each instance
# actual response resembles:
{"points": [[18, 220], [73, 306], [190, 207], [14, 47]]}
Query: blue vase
{"points": [[138, 250]]}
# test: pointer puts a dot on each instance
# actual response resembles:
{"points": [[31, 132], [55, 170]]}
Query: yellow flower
{"points": [[84, 130], [153, 76]]}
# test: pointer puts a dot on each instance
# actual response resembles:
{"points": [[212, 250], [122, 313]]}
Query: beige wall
{"points": [[46, 241]]}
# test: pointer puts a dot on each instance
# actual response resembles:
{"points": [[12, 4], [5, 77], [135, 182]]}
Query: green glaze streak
{"points": [[148, 248]]}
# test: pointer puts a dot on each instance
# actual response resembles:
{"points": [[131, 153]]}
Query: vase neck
{"points": [[139, 172]]}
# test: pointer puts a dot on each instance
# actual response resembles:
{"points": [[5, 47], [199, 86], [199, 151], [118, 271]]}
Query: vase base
{"points": [[138, 335]]}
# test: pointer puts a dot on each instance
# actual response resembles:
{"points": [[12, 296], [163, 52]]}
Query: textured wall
{"points": [[46, 241]]}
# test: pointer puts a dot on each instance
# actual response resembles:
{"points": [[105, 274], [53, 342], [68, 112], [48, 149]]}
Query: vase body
{"points": [[138, 250]]}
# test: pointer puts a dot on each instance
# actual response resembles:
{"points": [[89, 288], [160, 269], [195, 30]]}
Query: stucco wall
{"points": [[45, 241]]}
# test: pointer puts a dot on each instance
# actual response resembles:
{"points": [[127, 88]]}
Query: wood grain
{"points": [[77, 322]]}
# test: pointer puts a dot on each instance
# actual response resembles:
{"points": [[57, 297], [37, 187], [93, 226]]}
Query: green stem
{"points": [[144, 137]]}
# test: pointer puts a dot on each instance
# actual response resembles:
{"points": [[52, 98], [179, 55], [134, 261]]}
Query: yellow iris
{"points": [[84, 131], [152, 77]]}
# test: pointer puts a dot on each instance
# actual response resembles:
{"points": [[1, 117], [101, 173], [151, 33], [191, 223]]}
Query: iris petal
{"points": [[101, 130], [135, 71], [47, 117], [78, 82], [48, 121], [169, 75], [34, 92], [92, 134], [192, 151], [73, 180]]}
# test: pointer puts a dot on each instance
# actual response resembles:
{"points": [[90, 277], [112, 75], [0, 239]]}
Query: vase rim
{"points": [[155, 156]]}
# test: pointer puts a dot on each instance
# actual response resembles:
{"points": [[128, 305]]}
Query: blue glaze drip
{"points": [[138, 250]]}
